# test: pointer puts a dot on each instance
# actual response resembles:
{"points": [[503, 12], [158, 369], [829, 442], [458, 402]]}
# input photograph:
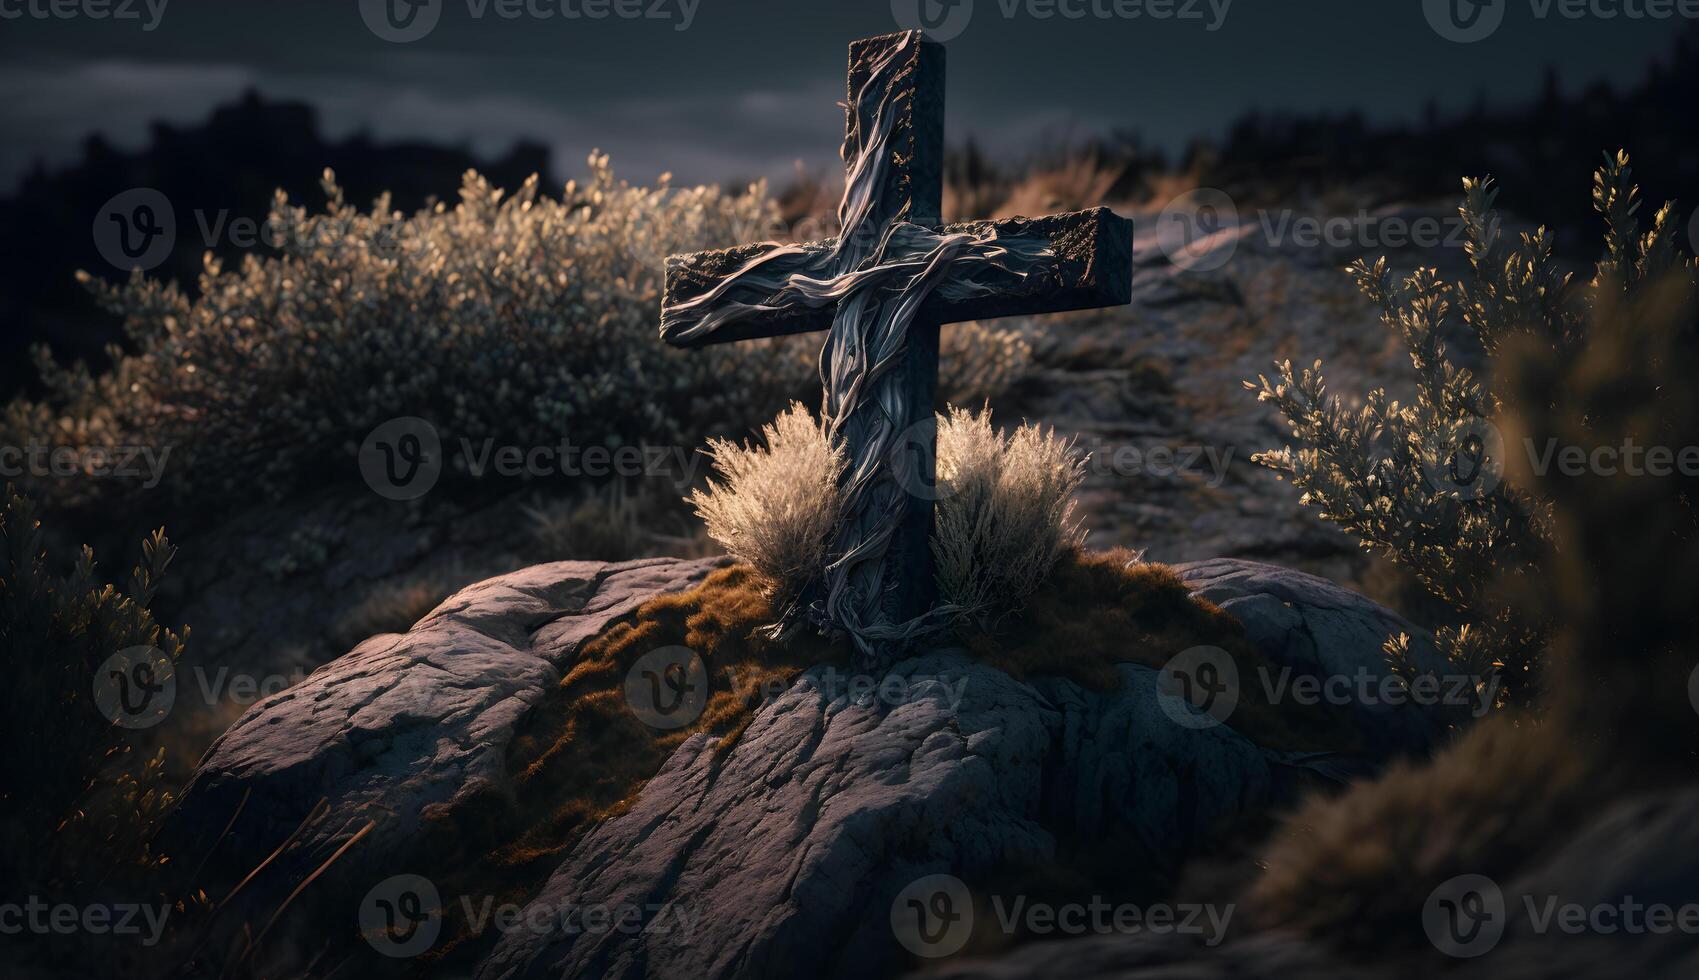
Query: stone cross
{"points": [[882, 289]]}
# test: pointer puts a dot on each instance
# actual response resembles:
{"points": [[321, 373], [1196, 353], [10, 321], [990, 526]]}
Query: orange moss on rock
{"points": [[1100, 609], [582, 755]]}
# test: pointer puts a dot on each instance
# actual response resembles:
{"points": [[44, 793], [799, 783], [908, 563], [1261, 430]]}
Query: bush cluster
{"points": [[519, 318], [516, 317], [1616, 717], [91, 799], [1421, 482]]}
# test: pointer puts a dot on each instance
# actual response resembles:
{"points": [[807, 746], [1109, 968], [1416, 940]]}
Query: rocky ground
{"points": [[785, 848], [1164, 378], [1154, 390]]}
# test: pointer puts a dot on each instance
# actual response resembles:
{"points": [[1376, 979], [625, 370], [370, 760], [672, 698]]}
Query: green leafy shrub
{"points": [[1418, 481], [1616, 719], [89, 799]]}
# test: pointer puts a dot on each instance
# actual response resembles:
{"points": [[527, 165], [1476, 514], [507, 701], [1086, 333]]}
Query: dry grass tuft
{"points": [[1357, 868], [1005, 511], [779, 501], [392, 607]]}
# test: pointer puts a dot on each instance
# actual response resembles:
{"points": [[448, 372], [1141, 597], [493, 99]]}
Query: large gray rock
{"points": [[784, 856], [1324, 631], [775, 854], [400, 725]]}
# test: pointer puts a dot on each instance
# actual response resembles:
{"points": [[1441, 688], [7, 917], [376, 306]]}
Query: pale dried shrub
{"points": [[605, 524], [981, 361], [1080, 181], [517, 317], [1005, 512], [1356, 868], [777, 500], [394, 606]]}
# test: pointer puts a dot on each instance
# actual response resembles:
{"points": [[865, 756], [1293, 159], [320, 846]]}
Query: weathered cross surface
{"points": [[881, 290]]}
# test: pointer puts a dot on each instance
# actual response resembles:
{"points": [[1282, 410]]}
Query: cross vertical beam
{"points": [[898, 585]]}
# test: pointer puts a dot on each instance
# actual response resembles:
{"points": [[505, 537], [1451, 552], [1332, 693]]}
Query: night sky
{"points": [[746, 88]]}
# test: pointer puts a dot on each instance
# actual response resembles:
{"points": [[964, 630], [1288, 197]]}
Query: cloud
{"points": [[52, 107]]}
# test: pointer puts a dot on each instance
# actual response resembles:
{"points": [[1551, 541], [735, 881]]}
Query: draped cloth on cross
{"points": [[887, 282]]}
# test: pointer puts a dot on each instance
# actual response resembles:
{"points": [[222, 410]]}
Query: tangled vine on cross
{"points": [[881, 290]]}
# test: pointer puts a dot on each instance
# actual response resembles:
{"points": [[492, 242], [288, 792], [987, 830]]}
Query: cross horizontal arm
{"points": [[1087, 263]]}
